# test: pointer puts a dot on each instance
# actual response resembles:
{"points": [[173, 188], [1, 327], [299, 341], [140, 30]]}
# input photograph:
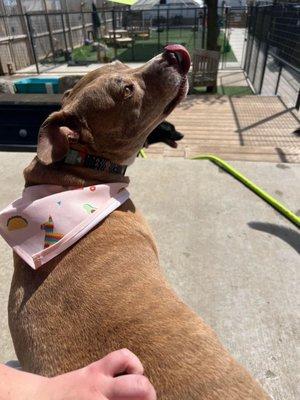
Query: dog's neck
{"points": [[67, 175]]}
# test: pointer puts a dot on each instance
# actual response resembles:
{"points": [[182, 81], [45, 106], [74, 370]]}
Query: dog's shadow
{"points": [[288, 235]]}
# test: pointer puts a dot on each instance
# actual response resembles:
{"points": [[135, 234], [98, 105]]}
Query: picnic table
{"points": [[119, 32], [120, 36]]}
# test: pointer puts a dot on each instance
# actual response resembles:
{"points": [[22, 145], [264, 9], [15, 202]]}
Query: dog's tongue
{"points": [[182, 54]]}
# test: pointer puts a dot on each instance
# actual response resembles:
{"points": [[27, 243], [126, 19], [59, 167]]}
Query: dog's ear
{"points": [[66, 94], [117, 64], [55, 135]]}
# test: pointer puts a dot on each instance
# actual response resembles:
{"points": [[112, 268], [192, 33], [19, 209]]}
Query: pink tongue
{"points": [[186, 60]]}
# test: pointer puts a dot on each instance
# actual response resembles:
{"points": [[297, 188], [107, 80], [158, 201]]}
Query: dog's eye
{"points": [[128, 90]]}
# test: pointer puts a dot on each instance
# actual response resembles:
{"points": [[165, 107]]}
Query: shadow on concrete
{"points": [[288, 235]]}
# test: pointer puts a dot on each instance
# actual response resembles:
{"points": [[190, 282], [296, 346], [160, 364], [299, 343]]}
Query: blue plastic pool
{"points": [[37, 85]]}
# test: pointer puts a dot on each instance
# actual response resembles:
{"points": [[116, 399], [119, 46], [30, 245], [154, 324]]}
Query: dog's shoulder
{"points": [[128, 222]]}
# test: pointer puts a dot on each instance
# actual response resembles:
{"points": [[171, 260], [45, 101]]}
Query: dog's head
{"points": [[165, 133], [112, 110]]}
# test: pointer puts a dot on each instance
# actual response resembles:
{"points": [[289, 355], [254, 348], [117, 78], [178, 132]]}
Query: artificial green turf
{"points": [[234, 90], [144, 50], [227, 55], [225, 90]]}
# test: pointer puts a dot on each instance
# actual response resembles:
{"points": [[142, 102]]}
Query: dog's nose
{"points": [[179, 57]]}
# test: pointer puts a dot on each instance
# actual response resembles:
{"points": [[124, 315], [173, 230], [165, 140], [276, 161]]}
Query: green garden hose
{"points": [[142, 153], [257, 190]]}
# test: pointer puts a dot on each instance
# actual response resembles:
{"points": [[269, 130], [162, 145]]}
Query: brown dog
{"points": [[107, 291]]}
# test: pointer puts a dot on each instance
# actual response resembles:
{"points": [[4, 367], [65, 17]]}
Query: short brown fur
{"points": [[107, 291]]}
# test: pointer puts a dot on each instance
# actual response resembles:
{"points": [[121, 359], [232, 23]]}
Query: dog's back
{"points": [[94, 306]]}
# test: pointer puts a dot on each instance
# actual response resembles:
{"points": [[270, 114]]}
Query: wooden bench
{"points": [[205, 69]]}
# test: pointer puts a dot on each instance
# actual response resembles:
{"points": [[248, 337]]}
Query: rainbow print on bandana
{"points": [[51, 237]]}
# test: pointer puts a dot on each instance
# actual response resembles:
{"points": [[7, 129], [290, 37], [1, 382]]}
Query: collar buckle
{"points": [[75, 157]]}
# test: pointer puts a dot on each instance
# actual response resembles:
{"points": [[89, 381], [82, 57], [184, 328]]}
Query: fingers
{"points": [[120, 362], [119, 376], [131, 387]]}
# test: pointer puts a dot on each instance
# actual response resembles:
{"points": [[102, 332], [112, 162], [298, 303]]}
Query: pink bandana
{"points": [[48, 219]]}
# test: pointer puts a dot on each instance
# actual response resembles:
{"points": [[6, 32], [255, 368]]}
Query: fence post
{"points": [[129, 17], [195, 27], [249, 15], [158, 29], [259, 47], [25, 30], [253, 26], [66, 9], [298, 101], [49, 29], [278, 79], [203, 28], [168, 16], [114, 32], [225, 36], [65, 36], [8, 35], [9, 41], [266, 54], [27, 16], [83, 21]]}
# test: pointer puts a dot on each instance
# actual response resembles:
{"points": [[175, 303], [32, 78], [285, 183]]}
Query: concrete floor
{"points": [[229, 255], [232, 78], [237, 43]]}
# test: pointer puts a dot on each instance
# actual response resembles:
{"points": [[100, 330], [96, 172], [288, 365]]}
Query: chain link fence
{"points": [[82, 37], [272, 60]]}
